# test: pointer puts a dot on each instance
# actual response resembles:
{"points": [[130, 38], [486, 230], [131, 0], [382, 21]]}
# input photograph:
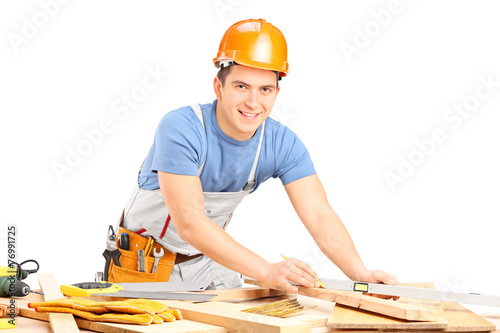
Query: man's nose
{"points": [[252, 100]]}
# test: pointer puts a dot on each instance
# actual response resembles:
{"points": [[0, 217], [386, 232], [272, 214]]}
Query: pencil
{"points": [[320, 283]]}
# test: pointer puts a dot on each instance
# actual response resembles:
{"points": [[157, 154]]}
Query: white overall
{"points": [[146, 211]]}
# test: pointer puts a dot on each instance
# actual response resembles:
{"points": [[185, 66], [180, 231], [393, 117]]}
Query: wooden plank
{"points": [[313, 320], [59, 322], [178, 326], [238, 321], [344, 317], [369, 303], [459, 319], [243, 293]]}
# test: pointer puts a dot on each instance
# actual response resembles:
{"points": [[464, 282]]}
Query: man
{"points": [[206, 159]]}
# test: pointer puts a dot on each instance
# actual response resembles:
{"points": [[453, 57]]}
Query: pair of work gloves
{"points": [[134, 311]]}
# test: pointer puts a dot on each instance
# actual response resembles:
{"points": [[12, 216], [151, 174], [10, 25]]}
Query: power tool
{"points": [[10, 280]]}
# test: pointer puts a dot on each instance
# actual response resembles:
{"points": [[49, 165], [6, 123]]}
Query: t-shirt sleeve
{"points": [[292, 158], [179, 144]]}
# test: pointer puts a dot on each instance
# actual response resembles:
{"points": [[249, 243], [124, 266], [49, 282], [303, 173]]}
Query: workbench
{"points": [[317, 317]]}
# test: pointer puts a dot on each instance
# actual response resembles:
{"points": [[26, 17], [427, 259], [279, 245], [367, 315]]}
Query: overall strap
{"points": [[251, 178], [197, 109]]}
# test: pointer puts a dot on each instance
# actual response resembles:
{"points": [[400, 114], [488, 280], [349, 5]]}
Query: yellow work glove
{"points": [[135, 311], [73, 303], [111, 317]]}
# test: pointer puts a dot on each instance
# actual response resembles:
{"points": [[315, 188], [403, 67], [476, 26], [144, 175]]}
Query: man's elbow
{"points": [[185, 226]]}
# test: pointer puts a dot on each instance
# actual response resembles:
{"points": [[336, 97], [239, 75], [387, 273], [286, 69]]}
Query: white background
{"points": [[358, 115]]}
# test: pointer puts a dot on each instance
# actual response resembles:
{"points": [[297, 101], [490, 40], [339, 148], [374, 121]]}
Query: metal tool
{"points": [[412, 292], [99, 276], [168, 286], [111, 251], [158, 256], [162, 295], [149, 290], [141, 261]]}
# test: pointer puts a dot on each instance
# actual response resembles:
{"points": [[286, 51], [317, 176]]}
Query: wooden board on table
{"points": [[242, 293], [369, 303], [344, 317], [178, 326], [458, 318], [238, 321], [461, 319], [312, 319], [59, 322]]}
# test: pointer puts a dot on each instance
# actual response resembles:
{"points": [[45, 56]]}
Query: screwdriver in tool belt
{"points": [[320, 283], [124, 241]]}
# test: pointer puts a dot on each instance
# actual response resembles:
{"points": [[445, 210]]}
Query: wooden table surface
{"points": [[323, 309]]}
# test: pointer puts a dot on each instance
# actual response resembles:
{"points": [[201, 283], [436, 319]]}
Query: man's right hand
{"points": [[278, 275]]}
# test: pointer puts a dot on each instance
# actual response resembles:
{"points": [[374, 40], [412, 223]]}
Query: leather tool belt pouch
{"points": [[129, 270]]}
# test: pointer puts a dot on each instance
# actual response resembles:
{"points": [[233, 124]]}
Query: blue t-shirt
{"points": [[181, 145]]}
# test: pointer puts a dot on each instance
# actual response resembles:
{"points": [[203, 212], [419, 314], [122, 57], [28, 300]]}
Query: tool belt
{"points": [[128, 271]]}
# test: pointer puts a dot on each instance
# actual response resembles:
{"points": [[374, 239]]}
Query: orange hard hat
{"points": [[254, 43]]}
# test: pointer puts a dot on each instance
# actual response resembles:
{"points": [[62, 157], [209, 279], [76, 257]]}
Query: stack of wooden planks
{"points": [[349, 314], [454, 318], [356, 311]]}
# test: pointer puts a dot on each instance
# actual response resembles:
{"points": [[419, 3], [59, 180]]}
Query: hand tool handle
{"points": [[125, 241], [155, 265], [107, 255], [141, 261], [110, 255]]}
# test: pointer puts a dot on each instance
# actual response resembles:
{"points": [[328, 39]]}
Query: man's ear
{"points": [[217, 88]]}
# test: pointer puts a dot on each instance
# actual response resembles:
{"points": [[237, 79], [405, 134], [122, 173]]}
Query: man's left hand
{"points": [[377, 276]]}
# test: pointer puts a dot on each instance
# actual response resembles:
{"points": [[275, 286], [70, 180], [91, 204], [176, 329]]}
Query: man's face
{"points": [[245, 101]]}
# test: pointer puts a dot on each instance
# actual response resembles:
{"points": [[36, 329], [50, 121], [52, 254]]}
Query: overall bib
{"points": [[146, 212]]}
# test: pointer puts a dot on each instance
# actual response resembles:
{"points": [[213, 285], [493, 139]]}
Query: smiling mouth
{"points": [[249, 115]]}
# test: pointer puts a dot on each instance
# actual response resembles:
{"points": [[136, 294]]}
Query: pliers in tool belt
{"points": [[111, 252]]}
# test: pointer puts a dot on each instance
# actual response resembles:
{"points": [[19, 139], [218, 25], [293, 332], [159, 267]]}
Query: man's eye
{"points": [[240, 86], [266, 89]]}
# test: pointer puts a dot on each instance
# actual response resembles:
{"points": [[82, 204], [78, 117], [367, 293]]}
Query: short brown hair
{"points": [[223, 73], [225, 70]]}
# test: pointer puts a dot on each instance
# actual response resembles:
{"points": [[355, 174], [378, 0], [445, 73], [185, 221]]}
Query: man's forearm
{"points": [[210, 239], [336, 243]]}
